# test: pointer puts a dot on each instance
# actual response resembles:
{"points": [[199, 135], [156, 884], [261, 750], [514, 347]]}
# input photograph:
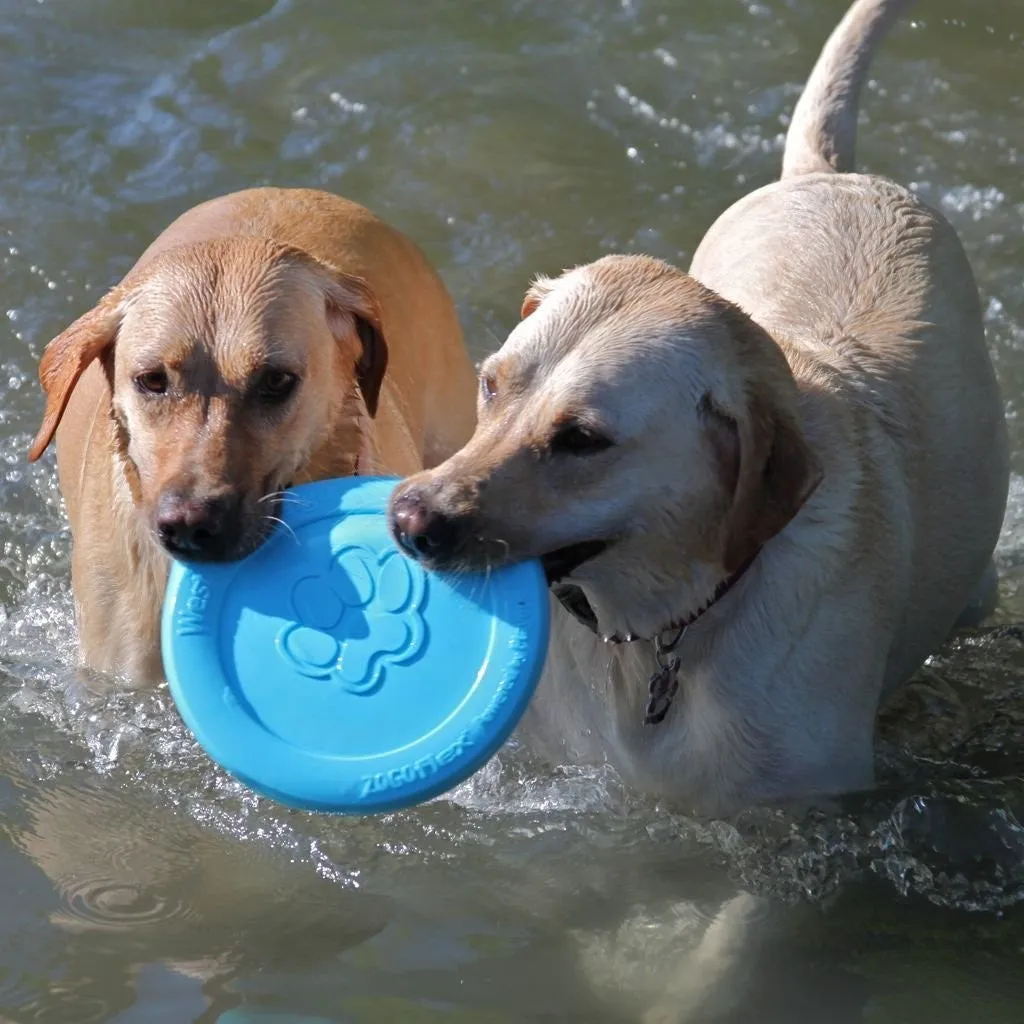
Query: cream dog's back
{"points": [[870, 295]]}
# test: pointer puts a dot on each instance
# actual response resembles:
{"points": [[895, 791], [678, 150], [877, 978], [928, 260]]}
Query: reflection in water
{"points": [[138, 882], [560, 877]]}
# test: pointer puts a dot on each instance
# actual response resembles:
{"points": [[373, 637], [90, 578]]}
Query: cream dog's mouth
{"points": [[563, 561]]}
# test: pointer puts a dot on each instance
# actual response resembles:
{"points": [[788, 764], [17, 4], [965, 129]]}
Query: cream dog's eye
{"points": [[577, 439], [277, 385], [151, 382], [488, 386]]}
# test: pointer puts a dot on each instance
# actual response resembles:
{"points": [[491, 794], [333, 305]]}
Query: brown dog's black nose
{"points": [[196, 529], [421, 530]]}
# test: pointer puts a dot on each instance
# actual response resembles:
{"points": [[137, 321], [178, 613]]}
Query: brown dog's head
{"points": [[231, 364], [636, 432]]}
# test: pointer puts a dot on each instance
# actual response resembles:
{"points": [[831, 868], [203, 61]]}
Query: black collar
{"points": [[575, 602], [664, 681]]}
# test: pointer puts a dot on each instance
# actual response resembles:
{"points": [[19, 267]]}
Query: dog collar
{"points": [[664, 681]]}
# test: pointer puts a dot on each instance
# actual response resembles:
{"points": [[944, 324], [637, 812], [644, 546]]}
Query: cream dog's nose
{"points": [[421, 530]]}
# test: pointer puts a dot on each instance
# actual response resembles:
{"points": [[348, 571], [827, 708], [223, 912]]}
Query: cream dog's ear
{"points": [[66, 359], [776, 474], [535, 294]]}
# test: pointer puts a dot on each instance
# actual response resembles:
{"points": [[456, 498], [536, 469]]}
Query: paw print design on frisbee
{"points": [[362, 614]]}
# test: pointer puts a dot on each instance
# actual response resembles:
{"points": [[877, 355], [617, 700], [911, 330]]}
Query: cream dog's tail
{"points": [[823, 131]]}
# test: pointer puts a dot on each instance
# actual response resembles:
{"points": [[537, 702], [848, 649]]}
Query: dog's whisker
{"points": [[284, 498], [275, 519]]}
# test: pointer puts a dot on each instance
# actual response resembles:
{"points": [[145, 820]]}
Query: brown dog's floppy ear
{"points": [[66, 359], [535, 294], [351, 304], [777, 473]]}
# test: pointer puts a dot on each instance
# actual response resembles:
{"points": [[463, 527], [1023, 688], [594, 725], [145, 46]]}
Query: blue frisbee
{"points": [[331, 672]]}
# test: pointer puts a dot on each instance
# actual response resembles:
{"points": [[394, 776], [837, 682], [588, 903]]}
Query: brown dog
{"points": [[782, 476], [268, 337]]}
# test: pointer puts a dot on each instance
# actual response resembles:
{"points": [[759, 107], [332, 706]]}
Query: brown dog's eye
{"points": [[488, 386], [277, 385], [576, 439], [152, 382]]}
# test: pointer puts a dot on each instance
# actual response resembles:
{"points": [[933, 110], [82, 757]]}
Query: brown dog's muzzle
{"points": [[199, 529]]}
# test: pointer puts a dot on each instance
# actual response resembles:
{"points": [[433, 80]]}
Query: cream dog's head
{"points": [[235, 367], [636, 431]]}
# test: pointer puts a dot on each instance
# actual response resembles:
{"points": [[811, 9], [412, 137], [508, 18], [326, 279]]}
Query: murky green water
{"points": [[507, 137]]}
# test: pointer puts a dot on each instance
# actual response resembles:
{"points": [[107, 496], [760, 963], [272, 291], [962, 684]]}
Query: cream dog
{"points": [[783, 475], [266, 337]]}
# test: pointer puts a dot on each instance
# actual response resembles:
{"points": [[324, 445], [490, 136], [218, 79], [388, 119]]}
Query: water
{"points": [[142, 885]]}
